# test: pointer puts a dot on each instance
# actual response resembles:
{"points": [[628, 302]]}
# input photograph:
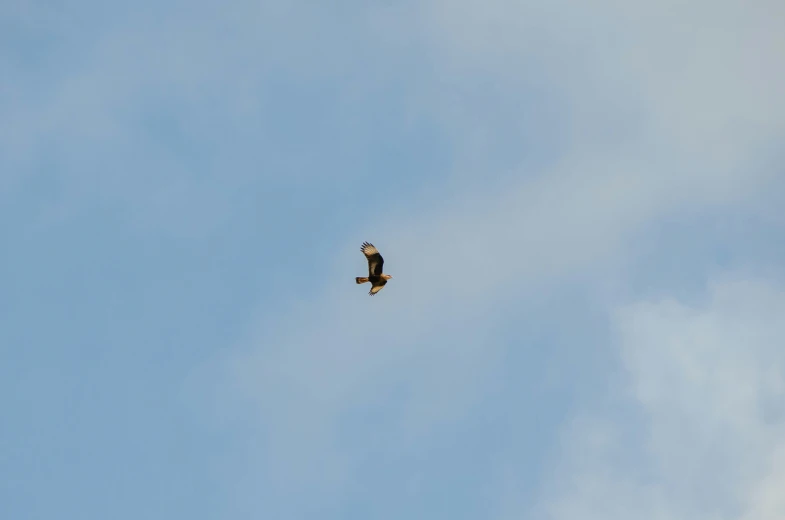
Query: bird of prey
{"points": [[375, 275]]}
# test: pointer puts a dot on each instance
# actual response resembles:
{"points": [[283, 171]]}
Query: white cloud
{"points": [[706, 434]]}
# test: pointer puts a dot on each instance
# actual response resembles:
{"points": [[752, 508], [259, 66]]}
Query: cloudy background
{"points": [[581, 204]]}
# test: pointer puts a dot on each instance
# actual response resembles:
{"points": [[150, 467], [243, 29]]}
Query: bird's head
{"points": [[387, 276]]}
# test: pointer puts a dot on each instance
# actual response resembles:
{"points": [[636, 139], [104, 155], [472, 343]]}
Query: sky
{"points": [[581, 204]]}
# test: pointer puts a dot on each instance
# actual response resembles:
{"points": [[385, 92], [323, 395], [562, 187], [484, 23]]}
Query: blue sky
{"points": [[580, 203]]}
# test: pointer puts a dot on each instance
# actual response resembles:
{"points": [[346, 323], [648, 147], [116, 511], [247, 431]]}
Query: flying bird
{"points": [[375, 263]]}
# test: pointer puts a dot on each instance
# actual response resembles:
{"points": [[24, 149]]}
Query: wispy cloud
{"points": [[146, 110], [697, 428]]}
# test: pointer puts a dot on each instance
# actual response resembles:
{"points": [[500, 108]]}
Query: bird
{"points": [[375, 275]]}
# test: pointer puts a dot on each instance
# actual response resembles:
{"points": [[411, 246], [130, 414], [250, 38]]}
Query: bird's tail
{"points": [[361, 279]]}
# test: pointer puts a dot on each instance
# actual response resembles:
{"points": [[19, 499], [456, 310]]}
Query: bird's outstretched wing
{"points": [[375, 260]]}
